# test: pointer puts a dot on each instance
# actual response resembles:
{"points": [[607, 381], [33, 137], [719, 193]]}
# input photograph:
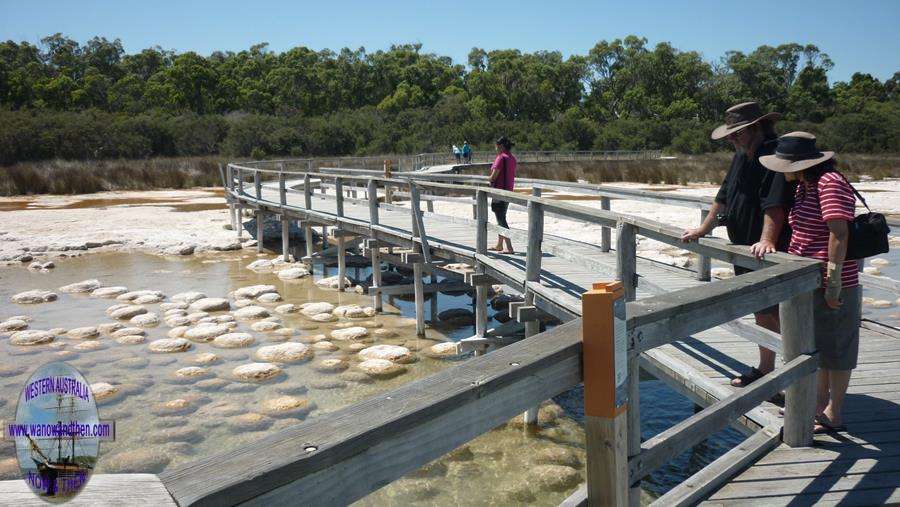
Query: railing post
{"points": [[626, 259], [372, 192], [307, 191], [481, 220], [307, 224], [339, 195], [604, 231], [257, 184], [240, 176], [604, 363], [260, 228], [388, 193], [533, 274], [282, 189], [704, 263], [800, 397]]}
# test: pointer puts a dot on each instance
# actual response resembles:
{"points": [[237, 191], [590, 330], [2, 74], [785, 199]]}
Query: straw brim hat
{"points": [[723, 131], [785, 165]]}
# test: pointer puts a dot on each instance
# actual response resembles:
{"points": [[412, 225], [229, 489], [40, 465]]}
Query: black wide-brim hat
{"points": [[742, 116], [795, 152]]}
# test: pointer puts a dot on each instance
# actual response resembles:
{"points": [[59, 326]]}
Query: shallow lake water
{"points": [[510, 465]]}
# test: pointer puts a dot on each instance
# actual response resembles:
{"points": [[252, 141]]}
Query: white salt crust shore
{"points": [[47, 232]]}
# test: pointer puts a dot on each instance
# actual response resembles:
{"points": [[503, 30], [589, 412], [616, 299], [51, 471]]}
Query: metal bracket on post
{"points": [[605, 367]]}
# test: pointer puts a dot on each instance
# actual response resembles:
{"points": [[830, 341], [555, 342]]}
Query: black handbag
{"points": [[868, 232]]}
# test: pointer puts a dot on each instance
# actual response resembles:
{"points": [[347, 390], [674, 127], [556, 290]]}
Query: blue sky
{"points": [[858, 35]]}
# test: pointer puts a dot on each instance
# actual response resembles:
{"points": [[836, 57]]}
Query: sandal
{"points": [[747, 378], [824, 425]]}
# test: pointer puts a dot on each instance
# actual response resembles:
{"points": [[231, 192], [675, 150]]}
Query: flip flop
{"points": [[824, 425], [748, 378]]}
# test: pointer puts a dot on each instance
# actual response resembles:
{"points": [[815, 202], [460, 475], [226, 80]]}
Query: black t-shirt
{"points": [[748, 190]]}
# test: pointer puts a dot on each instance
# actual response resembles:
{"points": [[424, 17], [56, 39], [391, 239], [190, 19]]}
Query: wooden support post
{"points": [[260, 219], [285, 238], [626, 259], [339, 195], [481, 220], [239, 220], [257, 184], [342, 262], [307, 192], [282, 188], [800, 398], [324, 238], [605, 366], [704, 263], [429, 205], [605, 235], [481, 311], [375, 253], [388, 193], [372, 192], [420, 298], [434, 299], [310, 247], [533, 256]]}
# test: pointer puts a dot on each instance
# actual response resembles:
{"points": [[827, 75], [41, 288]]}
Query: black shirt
{"points": [[748, 190]]}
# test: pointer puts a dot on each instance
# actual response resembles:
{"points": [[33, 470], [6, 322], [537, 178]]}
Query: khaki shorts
{"points": [[837, 331]]}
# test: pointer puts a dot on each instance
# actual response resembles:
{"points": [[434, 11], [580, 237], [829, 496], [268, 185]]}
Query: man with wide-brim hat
{"points": [[752, 204]]}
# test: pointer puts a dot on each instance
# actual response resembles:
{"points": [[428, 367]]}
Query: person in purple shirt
{"points": [[503, 176]]}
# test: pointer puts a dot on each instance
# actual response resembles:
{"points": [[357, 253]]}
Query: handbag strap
{"points": [[855, 191]]}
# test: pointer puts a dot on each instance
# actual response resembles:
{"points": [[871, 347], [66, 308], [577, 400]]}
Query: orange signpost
{"points": [[605, 370]]}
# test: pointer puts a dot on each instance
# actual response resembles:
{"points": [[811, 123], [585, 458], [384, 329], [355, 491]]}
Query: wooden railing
{"points": [[383, 438]]}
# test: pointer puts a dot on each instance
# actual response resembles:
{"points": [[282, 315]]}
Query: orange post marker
{"points": [[605, 371], [604, 358]]}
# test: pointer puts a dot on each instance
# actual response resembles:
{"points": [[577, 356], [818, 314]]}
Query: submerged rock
{"points": [[234, 340], [110, 327], [109, 292], [253, 291], [287, 308], [31, 337], [380, 368], [145, 460], [180, 305], [334, 365], [332, 282], [558, 456], [169, 345], [265, 326], [31, 297], [12, 325], [104, 392], [205, 358], [206, 332], [131, 339], [443, 350], [147, 299], [293, 273], [192, 372], [81, 287], [210, 305], [325, 346], [135, 294], [393, 353], [256, 372], [127, 331], [350, 333], [251, 313], [148, 319], [289, 352], [128, 312], [269, 297], [251, 421], [286, 406], [323, 317], [555, 477], [310, 309]]}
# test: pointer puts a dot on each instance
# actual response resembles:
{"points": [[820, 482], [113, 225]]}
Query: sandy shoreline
{"points": [[172, 221]]}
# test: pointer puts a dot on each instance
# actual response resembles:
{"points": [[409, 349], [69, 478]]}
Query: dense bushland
{"points": [[67, 100]]}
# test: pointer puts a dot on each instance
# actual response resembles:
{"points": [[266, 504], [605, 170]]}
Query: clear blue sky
{"points": [[860, 35]]}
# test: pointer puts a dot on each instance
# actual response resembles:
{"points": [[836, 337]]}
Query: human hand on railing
{"points": [[692, 234], [761, 248]]}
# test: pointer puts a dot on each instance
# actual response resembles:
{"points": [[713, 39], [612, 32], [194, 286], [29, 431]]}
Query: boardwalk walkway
{"points": [[859, 466]]}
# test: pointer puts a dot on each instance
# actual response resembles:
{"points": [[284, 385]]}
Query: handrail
{"points": [[485, 391]]}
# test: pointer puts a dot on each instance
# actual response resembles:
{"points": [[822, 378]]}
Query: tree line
{"points": [[64, 99]]}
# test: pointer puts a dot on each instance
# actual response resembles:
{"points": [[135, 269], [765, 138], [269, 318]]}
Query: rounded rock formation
{"points": [[293, 273], [443, 350], [289, 352], [265, 326], [188, 297], [286, 406], [350, 333], [32, 297], [233, 340], [269, 297], [330, 365], [555, 477], [253, 291], [128, 312], [31, 337], [210, 305], [251, 313], [147, 299], [12, 325], [204, 358], [110, 327], [81, 287], [191, 372], [287, 308], [127, 331], [256, 372], [393, 353], [380, 368], [109, 292], [148, 319], [325, 346], [169, 345], [133, 339], [310, 309], [206, 332]]}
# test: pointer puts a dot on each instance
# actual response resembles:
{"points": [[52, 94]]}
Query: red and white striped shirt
{"points": [[815, 204]]}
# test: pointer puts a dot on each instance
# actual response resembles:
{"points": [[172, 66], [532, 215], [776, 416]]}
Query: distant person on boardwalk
{"points": [[467, 152], [457, 153], [824, 207], [503, 176], [752, 204]]}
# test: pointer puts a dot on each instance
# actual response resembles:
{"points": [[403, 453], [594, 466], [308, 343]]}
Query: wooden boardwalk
{"points": [[860, 466]]}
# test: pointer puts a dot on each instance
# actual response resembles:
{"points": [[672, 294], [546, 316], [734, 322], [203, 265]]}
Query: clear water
{"points": [[504, 466]]}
